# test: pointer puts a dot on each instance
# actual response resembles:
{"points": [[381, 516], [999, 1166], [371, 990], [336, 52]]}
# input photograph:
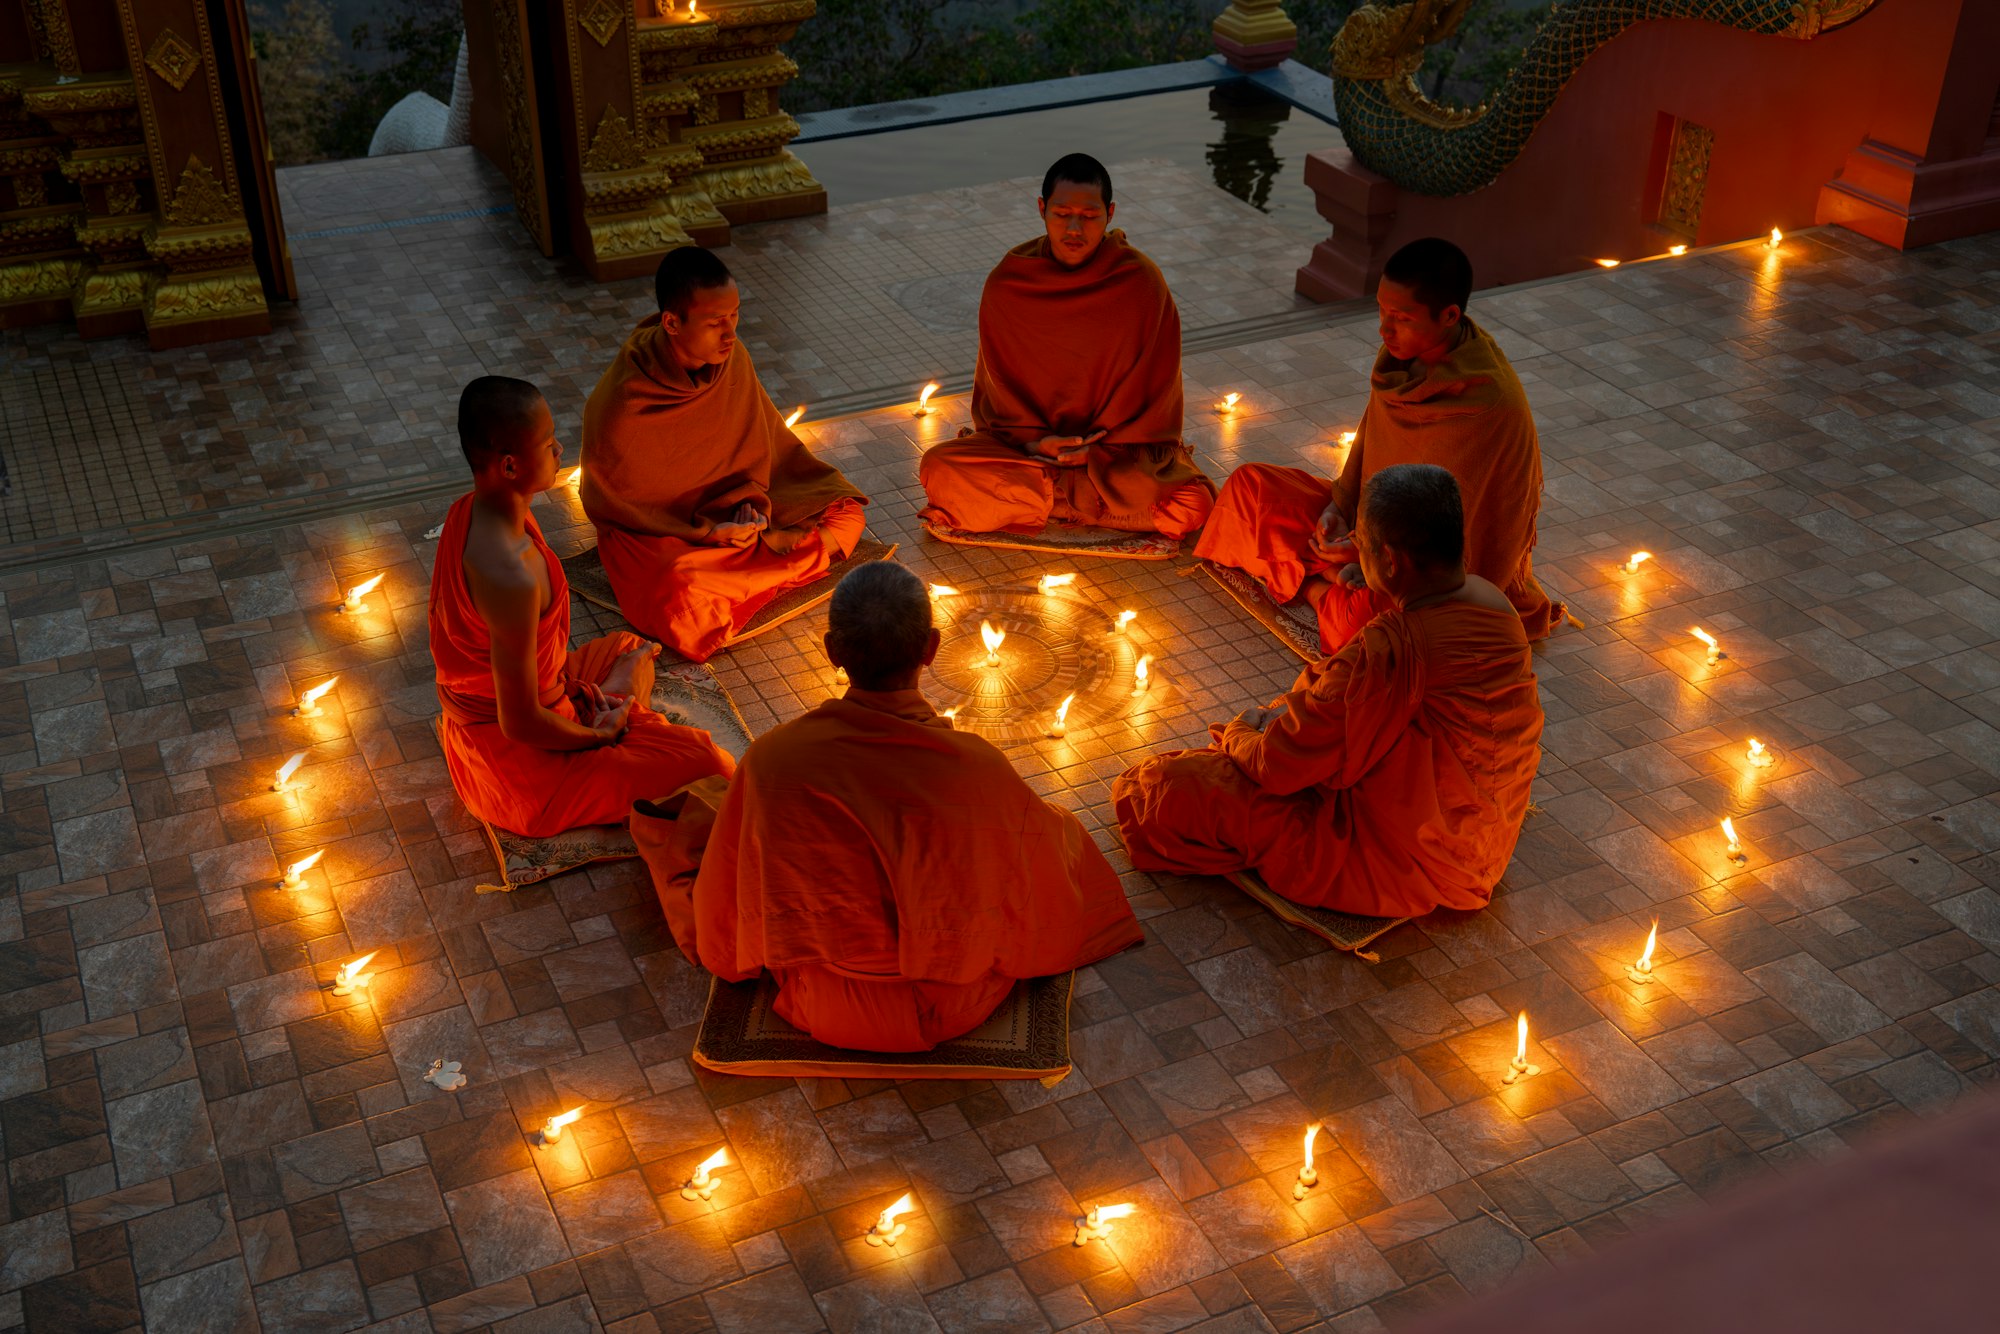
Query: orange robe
{"points": [[663, 464], [1070, 352], [1468, 415], [1394, 782], [524, 788], [896, 877]]}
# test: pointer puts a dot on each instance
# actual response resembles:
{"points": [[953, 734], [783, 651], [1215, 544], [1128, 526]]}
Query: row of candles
{"points": [[993, 638], [1777, 239]]}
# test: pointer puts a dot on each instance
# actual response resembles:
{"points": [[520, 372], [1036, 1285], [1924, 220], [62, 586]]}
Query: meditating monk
{"points": [[1441, 392], [1394, 777], [1076, 402], [539, 739], [894, 875], [706, 505]]}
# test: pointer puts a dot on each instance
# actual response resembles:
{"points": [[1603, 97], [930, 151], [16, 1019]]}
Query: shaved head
{"points": [[878, 625], [1077, 169], [685, 271], [1416, 509], [497, 414], [1436, 272]]}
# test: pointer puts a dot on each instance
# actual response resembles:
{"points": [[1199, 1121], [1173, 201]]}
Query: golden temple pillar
{"points": [[738, 128]]}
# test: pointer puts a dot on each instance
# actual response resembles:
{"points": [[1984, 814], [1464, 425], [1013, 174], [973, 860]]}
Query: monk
{"points": [[1441, 392], [1394, 777], [1076, 402], [539, 739], [706, 505], [895, 875]]}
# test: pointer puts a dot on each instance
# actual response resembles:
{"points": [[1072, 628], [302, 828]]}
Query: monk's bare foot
{"points": [[632, 674]]}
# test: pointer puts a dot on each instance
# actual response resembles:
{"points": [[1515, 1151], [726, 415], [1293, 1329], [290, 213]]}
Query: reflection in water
{"points": [[1244, 161]]}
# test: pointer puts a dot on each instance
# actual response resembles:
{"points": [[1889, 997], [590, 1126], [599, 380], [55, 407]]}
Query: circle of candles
{"points": [[887, 1231], [702, 1184], [552, 1129], [1641, 970]]}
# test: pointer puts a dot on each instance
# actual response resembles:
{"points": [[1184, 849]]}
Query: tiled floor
{"points": [[198, 1135]]}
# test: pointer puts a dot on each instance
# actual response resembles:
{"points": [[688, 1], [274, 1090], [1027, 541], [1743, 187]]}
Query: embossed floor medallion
{"points": [[1057, 644]]}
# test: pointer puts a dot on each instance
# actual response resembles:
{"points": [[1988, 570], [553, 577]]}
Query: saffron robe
{"points": [[1071, 352], [1469, 415], [663, 464], [524, 788], [896, 877], [1394, 782]]}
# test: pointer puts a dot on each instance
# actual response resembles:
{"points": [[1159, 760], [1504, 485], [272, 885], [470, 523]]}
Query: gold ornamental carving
{"points": [[602, 19], [646, 234], [56, 35], [122, 196], [114, 94], [1687, 178], [708, 111], [210, 296], [173, 58], [756, 103], [199, 200], [759, 180], [103, 293], [35, 280], [1810, 18], [614, 147], [30, 191], [514, 84]]}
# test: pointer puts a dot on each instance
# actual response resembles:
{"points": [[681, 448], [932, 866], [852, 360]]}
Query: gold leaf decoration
{"points": [[199, 199], [601, 20], [614, 147], [173, 58]]}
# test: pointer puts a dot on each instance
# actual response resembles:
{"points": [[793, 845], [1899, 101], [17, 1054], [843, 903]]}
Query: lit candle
{"points": [[951, 712], [1607, 263], [694, 11], [924, 400], [798, 413], [309, 699], [887, 1231], [1759, 757], [1229, 401], [350, 978], [1735, 848], [354, 604], [993, 640], [1776, 237], [1125, 618], [840, 675], [447, 1075], [295, 874], [1641, 970], [1638, 558], [1049, 583], [285, 772], [1520, 1069], [702, 1184], [1348, 437], [943, 591], [1141, 673], [1308, 1174], [1677, 250], [1096, 1225], [575, 477], [552, 1128], [1060, 725], [1715, 653]]}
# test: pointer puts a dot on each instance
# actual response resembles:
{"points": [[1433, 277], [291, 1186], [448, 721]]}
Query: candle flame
{"points": [[888, 1219], [1638, 558], [1776, 237], [1645, 964], [798, 413], [1521, 1038], [308, 698], [1312, 1133], [1758, 755], [1607, 263], [1229, 401], [1105, 1213], [561, 1119], [365, 587], [287, 769], [1714, 649], [951, 712], [720, 1158], [304, 864], [575, 477], [1062, 710], [350, 971], [1348, 437], [1729, 832], [943, 591], [924, 399], [992, 638], [694, 11], [1142, 671], [1677, 250], [1126, 618], [1049, 583]]}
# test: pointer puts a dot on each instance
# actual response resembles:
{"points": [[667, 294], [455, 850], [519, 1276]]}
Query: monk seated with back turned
{"points": [[706, 505], [1393, 779], [538, 739], [894, 875], [1076, 401], [1441, 392]]}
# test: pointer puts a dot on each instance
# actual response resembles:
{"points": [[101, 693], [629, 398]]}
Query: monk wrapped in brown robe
{"points": [[1394, 777], [538, 738], [706, 505], [894, 875], [1076, 401], [1441, 392]]}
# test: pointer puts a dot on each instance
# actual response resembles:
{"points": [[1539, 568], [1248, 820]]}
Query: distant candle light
{"points": [[1608, 263], [1096, 1225], [1642, 967], [943, 591], [1348, 437], [951, 712], [1520, 1069], [1308, 1173], [286, 770], [295, 874], [1777, 237], [1638, 558], [1141, 673], [702, 1184], [309, 699], [575, 477], [1049, 583], [1060, 726], [350, 978], [1715, 653], [552, 1129], [887, 1231], [1735, 849], [1677, 250], [355, 602], [924, 399], [1125, 618], [797, 414], [1760, 758]]}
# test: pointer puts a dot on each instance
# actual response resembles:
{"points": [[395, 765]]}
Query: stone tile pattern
{"points": [[199, 1135], [354, 393]]}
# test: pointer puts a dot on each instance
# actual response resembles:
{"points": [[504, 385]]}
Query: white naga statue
{"points": [[420, 121]]}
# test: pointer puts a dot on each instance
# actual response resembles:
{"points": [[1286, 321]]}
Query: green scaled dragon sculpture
{"points": [[1428, 148]]}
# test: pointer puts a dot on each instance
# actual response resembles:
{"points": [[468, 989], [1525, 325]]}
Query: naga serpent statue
{"points": [[1429, 148]]}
